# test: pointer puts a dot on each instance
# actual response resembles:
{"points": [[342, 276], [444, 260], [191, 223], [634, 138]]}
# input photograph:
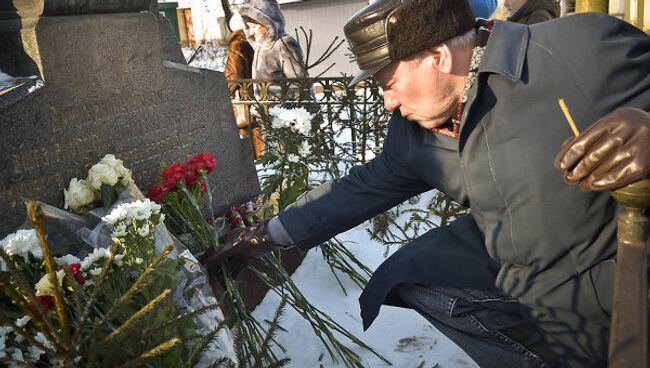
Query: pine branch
{"points": [[266, 343], [153, 353], [135, 318], [137, 284], [204, 345]]}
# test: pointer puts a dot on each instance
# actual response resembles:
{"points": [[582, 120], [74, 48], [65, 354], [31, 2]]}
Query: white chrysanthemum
{"points": [[45, 287], [304, 149], [5, 330], [293, 158], [95, 272], [44, 341], [102, 174], [17, 356], [118, 260], [303, 120], [118, 214], [140, 210], [93, 257], [22, 322], [66, 260], [3, 346], [143, 231], [119, 230], [22, 243], [138, 260], [79, 194]]}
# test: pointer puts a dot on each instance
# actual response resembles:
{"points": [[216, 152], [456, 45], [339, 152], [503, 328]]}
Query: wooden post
{"points": [[628, 341], [598, 6]]}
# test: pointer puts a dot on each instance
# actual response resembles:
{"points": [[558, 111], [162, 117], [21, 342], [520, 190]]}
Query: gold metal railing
{"points": [[628, 345]]}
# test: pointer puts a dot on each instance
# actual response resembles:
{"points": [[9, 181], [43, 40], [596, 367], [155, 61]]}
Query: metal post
{"points": [[598, 6], [628, 341]]}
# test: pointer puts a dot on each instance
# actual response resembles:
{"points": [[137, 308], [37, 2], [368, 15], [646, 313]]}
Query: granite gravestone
{"points": [[113, 81]]}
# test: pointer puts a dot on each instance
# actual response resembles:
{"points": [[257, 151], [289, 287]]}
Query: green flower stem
{"points": [[297, 300], [251, 332], [215, 232]]}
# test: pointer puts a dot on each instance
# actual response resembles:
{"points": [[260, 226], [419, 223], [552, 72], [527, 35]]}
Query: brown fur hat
{"points": [[421, 24]]}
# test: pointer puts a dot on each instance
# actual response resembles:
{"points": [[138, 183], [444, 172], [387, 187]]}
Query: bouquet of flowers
{"points": [[287, 147], [185, 196], [70, 311], [117, 278], [101, 185]]}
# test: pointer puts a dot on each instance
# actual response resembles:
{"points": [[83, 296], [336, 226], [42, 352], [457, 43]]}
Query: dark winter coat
{"points": [[546, 243], [277, 55], [536, 11], [240, 59]]}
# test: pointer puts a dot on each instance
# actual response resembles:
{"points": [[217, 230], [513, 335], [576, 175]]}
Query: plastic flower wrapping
{"points": [[75, 289]]}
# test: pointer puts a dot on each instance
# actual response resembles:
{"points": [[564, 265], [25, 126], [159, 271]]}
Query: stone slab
{"points": [[108, 90]]}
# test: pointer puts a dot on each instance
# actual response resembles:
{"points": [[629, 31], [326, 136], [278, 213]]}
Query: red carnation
{"points": [[201, 161], [158, 192], [46, 302], [191, 178], [75, 268], [173, 173]]}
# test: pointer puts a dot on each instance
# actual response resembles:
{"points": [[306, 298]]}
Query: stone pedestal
{"points": [[113, 82]]}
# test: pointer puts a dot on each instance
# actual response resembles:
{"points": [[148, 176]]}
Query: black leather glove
{"points": [[613, 152], [238, 247]]}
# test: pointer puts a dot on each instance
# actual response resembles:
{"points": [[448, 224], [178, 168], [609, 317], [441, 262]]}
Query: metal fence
{"points": [[349, 122]]}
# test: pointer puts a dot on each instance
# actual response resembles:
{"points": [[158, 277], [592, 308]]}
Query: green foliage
{"points": [[120, 316]]}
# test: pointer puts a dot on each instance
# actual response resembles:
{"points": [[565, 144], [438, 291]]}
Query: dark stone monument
{"points": [[92, 77]]}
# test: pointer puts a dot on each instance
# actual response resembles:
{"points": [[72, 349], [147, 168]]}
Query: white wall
{"points": [[205, 19], [326, 19]]}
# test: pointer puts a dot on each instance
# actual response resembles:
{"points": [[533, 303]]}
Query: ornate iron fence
{"points": [[349, 121]]}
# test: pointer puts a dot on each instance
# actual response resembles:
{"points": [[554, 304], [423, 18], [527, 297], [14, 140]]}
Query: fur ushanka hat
{"points": [[390, 30]]}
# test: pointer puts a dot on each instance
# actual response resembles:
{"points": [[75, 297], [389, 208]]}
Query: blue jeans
{"points": [[487, 325]]}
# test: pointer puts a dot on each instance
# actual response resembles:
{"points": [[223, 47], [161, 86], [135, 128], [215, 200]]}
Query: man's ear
{"points": [[442, 58]]}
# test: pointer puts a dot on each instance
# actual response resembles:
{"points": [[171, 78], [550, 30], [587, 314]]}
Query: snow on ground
{"points": [[402, 336]]}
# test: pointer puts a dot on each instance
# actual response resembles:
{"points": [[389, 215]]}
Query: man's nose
{"points": [[390, 102]]}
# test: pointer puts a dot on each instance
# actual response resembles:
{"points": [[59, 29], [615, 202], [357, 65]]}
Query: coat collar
{"points": [[505, 51]]}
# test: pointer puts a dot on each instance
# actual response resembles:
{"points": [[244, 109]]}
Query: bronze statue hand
{"points": [[613, 152]]}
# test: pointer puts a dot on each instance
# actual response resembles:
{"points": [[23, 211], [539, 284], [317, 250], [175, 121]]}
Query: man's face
{"points": [[513, 5], [257, 30], [419, 90]]}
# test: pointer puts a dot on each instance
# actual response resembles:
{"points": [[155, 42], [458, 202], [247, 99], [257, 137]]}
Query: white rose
{"points": [[79, 194], [102, 174], [118, 166], [44, 287]]}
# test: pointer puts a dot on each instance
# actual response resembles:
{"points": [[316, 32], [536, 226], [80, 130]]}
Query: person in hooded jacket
{"points": [[239, 66], [277, 54], [532, 11]]}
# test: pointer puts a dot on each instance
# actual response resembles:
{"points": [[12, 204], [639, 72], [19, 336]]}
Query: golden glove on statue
{"points": [[613, 152]]}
